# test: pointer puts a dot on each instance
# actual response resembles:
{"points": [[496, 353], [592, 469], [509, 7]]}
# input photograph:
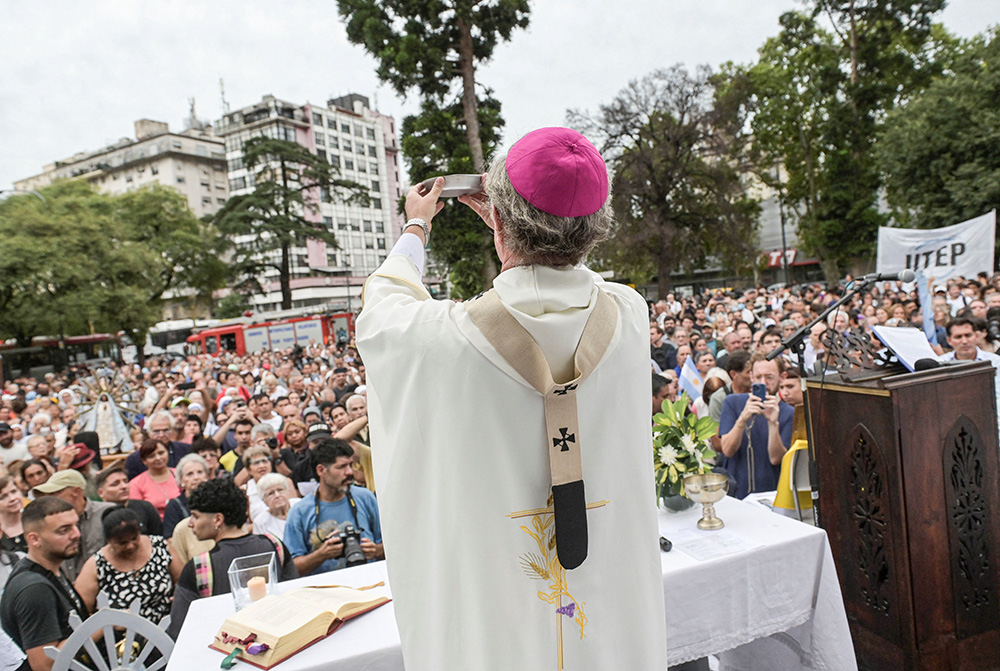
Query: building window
{"points": [[206, 186], [154, 170], [342, 225], [361, 166], [371, 150], [220, 201], [324, 194], [176, 144], [321, 153], [348, 164], [377, 203], [335, 160], [235, 164], [345, 128], [381, 243], [331, 123], [334, 143], [374, 185], [320, 139], [358, 131], [379, 227], [366, 226], [328, 222], [206, 200], [220, 187], [371, 133], [180, 180], [374, 168], [237, 183], [355, 226], [317, 118], [347, 145]]}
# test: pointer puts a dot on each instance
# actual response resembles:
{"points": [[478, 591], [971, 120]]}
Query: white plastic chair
{"points": [[108, 620]]}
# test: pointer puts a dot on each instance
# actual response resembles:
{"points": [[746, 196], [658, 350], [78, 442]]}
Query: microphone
{"points": [[902, 276]]}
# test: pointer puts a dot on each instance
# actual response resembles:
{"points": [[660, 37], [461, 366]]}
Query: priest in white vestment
{"points": [[461, 438]]}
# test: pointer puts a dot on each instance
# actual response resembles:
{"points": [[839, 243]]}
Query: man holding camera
{"points": [[755, 430], [338, 525]]}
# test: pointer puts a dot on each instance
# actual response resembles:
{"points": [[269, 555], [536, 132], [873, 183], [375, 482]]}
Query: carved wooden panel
{"points": [[974, 573], [870, 516]]}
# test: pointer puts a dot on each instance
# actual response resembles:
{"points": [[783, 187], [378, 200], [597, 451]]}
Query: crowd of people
{"points": [[715, 347], [233, 456], [270, 452]]}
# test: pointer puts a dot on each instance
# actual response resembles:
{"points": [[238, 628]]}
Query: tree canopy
{"points": [[674, 143], [941, 152], [77, 261]]}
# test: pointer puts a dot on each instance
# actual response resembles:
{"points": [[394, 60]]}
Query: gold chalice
{"points": [[706, 489]]}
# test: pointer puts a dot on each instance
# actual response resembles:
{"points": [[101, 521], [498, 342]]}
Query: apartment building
{"points": [[361, 144]]}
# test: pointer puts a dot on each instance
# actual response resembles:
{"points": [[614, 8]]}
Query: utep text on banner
{"points": [[963, 249]]}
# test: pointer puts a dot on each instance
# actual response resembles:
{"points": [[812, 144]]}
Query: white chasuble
{"points": [[459, 448]]}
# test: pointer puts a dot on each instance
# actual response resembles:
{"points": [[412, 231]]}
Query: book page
{"points": [[341, 601], [277, 616]]}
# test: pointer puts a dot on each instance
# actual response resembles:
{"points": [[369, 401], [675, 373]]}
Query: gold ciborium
{"points": [[706, 489]]}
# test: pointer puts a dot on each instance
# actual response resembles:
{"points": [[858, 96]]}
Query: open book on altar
{"points": [[273, 629]]}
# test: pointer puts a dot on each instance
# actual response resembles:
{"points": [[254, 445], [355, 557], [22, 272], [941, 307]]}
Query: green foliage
{"points": [[416, 43], [76, 261], [941, 152], [279, 213], [818, 96], [433, 139], [675, 141], [234, 304], [681, 445]]}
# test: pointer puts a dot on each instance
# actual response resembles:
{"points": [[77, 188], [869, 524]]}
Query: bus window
{"points": [[228, 341], [211, 345]]}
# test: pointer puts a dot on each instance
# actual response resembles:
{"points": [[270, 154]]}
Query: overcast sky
{"points": [[74, 76]]}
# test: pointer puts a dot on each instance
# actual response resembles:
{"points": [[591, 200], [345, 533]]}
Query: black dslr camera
{"points": [[351, 537]]}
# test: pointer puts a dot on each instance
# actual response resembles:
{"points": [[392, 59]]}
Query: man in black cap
{"points": [[9, 451], [304, 471]]}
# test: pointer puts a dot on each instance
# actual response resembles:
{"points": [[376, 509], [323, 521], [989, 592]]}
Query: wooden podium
{"points": [[909, 493]]}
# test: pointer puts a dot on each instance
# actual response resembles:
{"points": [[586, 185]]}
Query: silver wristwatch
{"points": [[421, 223]]}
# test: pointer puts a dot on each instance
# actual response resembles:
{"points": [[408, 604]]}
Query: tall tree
{"points": [[275, 217], [674, 142], [821, 88], [436, 47], [429, 45], [436, 144], [941, 152]]}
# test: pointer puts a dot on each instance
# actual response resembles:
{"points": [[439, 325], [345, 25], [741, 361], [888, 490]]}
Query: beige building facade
{"points": [[191, 162]]}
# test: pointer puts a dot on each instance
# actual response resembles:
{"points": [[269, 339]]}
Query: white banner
{"points": [[963, 249]]}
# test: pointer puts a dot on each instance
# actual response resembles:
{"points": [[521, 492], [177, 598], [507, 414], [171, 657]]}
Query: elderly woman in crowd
{"points": [[191, 471], [157, 483], [129, 565], [278, 497], [11, 503], [219, 513]]}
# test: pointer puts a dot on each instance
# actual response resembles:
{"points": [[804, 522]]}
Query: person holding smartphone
{"points": [[755, 430]]}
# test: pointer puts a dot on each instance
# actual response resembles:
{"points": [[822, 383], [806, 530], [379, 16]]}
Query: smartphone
{"points": [[759, 390], [185, 385]]}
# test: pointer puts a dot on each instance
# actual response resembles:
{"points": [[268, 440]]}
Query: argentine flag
{"points": [[690, 379]]}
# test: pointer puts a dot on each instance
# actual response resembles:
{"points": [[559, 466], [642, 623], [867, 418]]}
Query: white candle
{"points": [[257, 587]]}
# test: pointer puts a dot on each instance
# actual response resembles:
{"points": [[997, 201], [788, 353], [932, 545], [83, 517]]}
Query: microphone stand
{"points": [[797, 343]]}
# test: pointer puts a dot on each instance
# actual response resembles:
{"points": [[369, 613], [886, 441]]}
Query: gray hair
{"points": [[270, 480], [539, 238], [191, 458], [261, 428]]}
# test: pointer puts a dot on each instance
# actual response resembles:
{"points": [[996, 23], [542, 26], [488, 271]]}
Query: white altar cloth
{"points": [[775, 606]]}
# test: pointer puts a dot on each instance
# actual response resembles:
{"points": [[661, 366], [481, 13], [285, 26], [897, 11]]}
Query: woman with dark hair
{"points": [[11, 503], [219, 512], [131, 564], [157, 483]]}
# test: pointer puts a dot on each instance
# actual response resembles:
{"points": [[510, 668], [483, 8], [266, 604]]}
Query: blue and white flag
{"points": [[690, 379], [926, 307]]}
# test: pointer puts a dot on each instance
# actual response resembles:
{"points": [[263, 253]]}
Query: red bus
{"points": [[246, 338]]}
